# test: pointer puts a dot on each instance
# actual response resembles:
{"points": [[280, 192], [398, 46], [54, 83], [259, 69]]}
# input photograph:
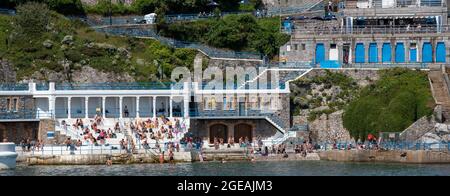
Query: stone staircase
{"points": [[440, 90]]}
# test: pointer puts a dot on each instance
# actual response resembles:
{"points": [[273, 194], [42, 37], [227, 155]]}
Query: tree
{"points": [[397, 100], [67, 7], [32, 19], [145, 6]]}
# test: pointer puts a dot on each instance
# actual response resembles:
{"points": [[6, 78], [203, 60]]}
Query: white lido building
{"points": [[34, 110]]}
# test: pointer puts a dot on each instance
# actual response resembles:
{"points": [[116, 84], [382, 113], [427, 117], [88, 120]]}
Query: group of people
{"points": [[242, 142], [304, 148], [192, 142], [31, 145], [159, 130], [92, 133]]}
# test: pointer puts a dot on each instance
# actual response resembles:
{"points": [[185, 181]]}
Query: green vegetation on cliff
{"points": [[322, 94], [38, 39], [105, 7], [237, 32], [393, 103]]}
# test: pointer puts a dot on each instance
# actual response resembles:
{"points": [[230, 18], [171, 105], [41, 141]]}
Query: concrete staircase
{"points": [[440, 90]]}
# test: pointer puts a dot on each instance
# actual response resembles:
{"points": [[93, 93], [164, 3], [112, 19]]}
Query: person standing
{"points": [[68, 143], [161, 158], [125, 111]]}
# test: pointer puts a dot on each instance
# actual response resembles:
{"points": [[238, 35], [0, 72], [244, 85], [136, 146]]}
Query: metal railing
{"points": [[193, 17], [52, 150], [23, 114], [386, 65], [142, 31], [290, 9], [14, 87], [115, 86], [369, 30], [42, 86]]}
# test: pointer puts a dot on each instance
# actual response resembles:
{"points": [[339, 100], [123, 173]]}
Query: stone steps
{"points": [[440, 89]]}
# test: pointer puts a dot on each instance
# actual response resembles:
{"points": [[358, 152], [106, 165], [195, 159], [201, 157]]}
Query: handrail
{"points": [[140, 31], [370, 30], [23, 114]]}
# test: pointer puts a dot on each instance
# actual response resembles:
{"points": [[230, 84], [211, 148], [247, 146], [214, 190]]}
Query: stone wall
{"points": [[23, 103], [260, 127], [361, 77], [48, 125], [7, 73], [407, 156], [286, 3], [16, 131], [100, 159], [329, 128], [310, 40], [418, 129]]}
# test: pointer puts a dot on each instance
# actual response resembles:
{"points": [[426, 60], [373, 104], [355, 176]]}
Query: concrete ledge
{"points": [[291, 157], [407, 156], [100, 159]]}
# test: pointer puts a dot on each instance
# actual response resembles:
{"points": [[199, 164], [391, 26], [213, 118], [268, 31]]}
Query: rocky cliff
{"points": [[319, 98]]}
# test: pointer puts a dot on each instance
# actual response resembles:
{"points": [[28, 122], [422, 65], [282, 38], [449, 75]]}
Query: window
{"points": [[213, 103], [205, 103], [332, 46], [254, 102], [8, 103], [234, 103], [295, 46], [12, 104], [225, 103], [288, 48], [210, 103], [303, 47], [15, 104]]}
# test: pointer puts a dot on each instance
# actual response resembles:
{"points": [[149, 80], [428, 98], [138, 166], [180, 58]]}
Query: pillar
{"points": [[380, 52], [120, 107], [393, 50], [103, 107], [51, 106], [186, 107], [166, 107], [86, 107], [171, 107], [433, 50], [326, 45], [366, 51], [137, 107], [69, 112], [447, 49], [353, 52], [419, 50], [341, 52], [407, 48], [154, 107]]}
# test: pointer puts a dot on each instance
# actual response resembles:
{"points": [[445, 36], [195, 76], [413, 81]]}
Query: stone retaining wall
{"points": [[101, 159], [407, 156]]}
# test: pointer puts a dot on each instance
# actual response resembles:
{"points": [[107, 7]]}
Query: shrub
{"points": [[398, 99]]}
